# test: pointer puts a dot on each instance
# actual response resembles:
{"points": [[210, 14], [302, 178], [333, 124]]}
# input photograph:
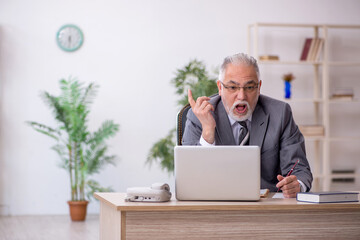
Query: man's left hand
{"points": [[289, 185]]}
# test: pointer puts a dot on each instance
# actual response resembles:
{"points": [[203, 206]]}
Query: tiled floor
{"points": [[48, 228]]}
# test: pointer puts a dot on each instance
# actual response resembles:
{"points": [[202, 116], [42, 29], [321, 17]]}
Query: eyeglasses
{"points": [[247, 89]]}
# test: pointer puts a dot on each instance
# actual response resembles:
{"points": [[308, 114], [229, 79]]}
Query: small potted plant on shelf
{"points": [[82, 152], [287, 79]]}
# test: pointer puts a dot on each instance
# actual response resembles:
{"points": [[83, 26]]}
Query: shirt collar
{"points": [[232, 121]]}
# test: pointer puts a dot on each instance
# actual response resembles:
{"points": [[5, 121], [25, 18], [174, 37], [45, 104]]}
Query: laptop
{"points": [[218, 173]]}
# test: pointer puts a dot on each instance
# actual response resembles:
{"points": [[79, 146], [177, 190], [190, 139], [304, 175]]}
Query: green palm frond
{"points": [[89, 94], [107, 129], [163, 152], [71, 91], [194, 76], [93, 186], [57, 108], [62, 151], [96, 158], [51, 132]]}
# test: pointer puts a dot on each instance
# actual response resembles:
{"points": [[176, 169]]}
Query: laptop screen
{"points": [[217, 173]]}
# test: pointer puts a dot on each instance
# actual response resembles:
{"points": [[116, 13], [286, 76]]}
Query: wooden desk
{"points": [[267, 219]]}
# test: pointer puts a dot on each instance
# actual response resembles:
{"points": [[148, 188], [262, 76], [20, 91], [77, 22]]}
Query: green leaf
{"points": [[163, 152], [53, 133], [93, 186]]}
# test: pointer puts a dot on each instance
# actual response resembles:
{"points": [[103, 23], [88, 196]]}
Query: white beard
{"points": [[237, 117]]}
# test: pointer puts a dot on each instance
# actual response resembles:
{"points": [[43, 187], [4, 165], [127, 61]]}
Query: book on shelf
{"points": [[327, 197], [343, 175], [269, 58], [312, 49], [342, 97], [312, 130], [306, 49], [343, 94], [318, 49]]}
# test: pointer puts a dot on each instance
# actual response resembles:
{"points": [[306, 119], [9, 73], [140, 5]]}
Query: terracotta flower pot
{"points": [[78, 210]]}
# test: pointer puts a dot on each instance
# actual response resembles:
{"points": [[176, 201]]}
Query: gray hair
{"points": [[237, 59]]}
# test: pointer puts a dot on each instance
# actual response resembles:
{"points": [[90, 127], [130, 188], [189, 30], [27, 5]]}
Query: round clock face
{"points": [[69, 38]]}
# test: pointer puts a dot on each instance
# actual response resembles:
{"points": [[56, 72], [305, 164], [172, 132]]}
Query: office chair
{"points": [[180, 125]]}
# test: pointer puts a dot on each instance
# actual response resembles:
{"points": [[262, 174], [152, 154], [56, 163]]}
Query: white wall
{"points": [[131, 49]]}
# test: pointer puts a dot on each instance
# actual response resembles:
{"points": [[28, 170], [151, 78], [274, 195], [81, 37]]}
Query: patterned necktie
{"points": [[243, 133]]}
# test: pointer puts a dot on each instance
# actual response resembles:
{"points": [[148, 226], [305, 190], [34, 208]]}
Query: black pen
{"points": [[291, 170]]}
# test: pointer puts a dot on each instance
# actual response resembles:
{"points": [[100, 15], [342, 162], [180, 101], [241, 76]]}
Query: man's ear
{"points": [[260, 82], [218, 83]]}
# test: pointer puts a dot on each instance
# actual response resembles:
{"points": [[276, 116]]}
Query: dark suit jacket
{"points": [[272, 129]]}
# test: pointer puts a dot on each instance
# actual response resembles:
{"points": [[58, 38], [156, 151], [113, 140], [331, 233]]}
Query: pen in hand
{"points": [[291, 170]]}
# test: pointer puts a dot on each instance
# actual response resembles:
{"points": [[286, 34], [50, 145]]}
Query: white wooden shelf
{"points": [[355, 100], [292, 25], [314, 138], [344, 138], [332, 139], [309, 63], [303, 100], [289, 62], [319, 100], [337, 176], [344, 175], [321, 86], [344, 63]]}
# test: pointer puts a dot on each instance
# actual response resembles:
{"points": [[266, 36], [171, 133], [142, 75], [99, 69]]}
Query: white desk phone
{"points": [[158, 192]]}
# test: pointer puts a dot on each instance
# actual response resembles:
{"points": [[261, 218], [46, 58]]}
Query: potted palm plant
{"points": [[82, 152]]}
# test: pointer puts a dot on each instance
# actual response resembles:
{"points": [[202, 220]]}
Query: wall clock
{"points": [[69, 38]]}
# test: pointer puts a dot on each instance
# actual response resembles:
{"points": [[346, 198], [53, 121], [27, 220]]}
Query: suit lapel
{"points": [[223, 128], [259, 125]]}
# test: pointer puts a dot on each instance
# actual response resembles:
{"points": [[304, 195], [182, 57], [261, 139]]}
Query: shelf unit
{"points": [[321, 92]]}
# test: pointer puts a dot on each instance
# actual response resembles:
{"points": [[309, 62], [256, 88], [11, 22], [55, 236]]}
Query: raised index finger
{"points": [[191, 99]]}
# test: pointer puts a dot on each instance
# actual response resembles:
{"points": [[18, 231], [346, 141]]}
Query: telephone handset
{"points": [[158, 192]]}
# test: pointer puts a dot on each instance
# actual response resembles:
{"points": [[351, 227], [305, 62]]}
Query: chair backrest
{"points": [[180, 125]]}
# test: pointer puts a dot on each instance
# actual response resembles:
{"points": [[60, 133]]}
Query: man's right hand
{"points": [[203, 109]]}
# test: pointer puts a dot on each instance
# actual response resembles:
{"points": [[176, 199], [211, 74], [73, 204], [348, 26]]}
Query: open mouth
{"points": [[241, 108]]}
